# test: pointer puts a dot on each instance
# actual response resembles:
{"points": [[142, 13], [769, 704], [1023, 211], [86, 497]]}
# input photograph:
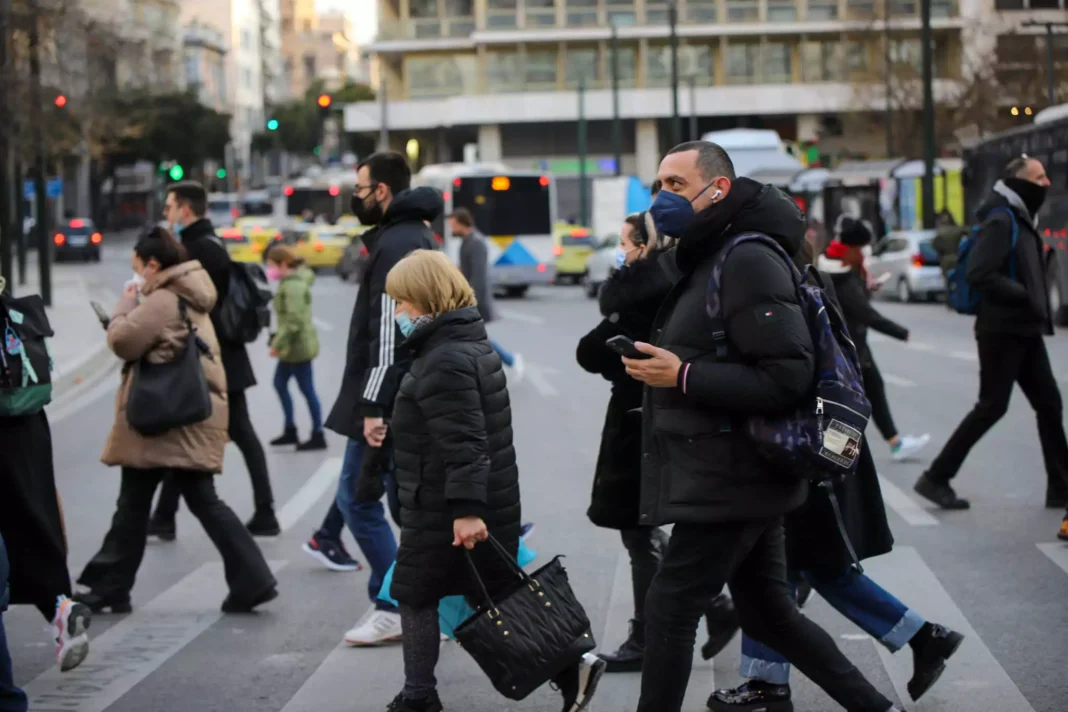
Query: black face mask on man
{"points": [[366, 214], [1032, 194]]}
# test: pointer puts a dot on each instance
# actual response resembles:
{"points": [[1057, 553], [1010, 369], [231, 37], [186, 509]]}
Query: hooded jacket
{"points": [[697, 465], [474, 264], [295, 339], [375, 359], [1009, 305], [154, 329]]}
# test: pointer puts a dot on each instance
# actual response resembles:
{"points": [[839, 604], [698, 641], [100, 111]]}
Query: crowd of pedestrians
{"points": [[706, 328]]}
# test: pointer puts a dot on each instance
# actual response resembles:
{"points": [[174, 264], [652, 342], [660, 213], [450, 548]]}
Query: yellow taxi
{"points": [[572, 247], [351, 226], [258, 229], [320, 246], [240, 247]]}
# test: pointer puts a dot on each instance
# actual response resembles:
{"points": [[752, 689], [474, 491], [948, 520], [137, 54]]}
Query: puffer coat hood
{"points": [[296, 339]]}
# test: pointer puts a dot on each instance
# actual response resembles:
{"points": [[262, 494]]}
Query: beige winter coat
{"points": [[155, 328]]}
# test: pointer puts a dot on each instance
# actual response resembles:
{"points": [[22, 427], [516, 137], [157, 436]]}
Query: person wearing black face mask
{"points": [[1014, 315]]}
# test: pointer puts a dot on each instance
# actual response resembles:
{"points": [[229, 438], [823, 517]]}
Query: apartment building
{"points": [[318, 47], [148, 49], [504, 74], [204, 49]]}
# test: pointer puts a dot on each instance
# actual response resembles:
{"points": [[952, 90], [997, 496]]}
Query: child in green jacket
{"points": [[295, 343]]}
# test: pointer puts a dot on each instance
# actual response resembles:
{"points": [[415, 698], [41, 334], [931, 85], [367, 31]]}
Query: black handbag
{"points": [[529, 634], [165, 396]]}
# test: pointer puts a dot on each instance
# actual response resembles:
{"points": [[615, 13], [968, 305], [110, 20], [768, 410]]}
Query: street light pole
{"points": [[617, 129], [673, 21], [44, 251], [889, 114], [1051, 56], [693, 108], [584, 197], [7, 187], [928, 117]]}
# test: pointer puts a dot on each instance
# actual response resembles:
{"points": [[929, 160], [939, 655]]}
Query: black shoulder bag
{"points": [[165, 396]]}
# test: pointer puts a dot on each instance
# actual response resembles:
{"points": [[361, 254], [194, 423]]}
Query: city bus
{"points": [[1047, 140], [323, 194], [516, 210]]}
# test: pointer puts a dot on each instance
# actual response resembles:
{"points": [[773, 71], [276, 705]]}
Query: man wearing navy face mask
{"points": [[698, 471]]}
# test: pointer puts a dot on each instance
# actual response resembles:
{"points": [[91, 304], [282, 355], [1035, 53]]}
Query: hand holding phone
{"points": [[624, 346], [101, 314]]}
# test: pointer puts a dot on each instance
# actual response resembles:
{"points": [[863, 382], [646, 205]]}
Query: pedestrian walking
{"points": [[185, 209], [474, 263], [177, 297], [295, 344], [374, 363], [12, 699], [452, 427], [629, 301], [698, 471], [1007, 268], [844, 262]]}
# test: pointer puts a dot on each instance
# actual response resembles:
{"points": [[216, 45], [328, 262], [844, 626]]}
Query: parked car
{"points": [[907, 265], [600, 264], [77, 238]]}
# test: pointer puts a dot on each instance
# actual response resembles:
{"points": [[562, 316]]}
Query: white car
{"points": [[600, 264], [907, 265]]}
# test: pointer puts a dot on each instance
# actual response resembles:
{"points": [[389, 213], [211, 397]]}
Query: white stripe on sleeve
{"points": [[386, 346]]}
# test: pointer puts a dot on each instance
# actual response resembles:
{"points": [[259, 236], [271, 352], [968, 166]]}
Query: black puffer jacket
{"points": [[697, 464], [629, 302], [452, 429], [855, 302]]}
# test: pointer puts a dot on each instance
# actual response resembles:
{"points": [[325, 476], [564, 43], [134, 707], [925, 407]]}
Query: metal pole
{"points": [[676, 122], [889, 114], [584, 194], [1050, 65], [383, 130], [7, 188], [693, 108], [16, 192], [44, 252], [617, 129], [928, 118]]}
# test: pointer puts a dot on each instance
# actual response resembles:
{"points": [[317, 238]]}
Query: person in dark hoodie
{"points": [[376, 360], [629, 301], [698, 472], [844, 262], [185, 209], [1014, 315]]}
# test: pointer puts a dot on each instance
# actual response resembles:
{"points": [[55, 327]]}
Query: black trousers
{"points": [[112, 571], [875, 389], [646, 546], [1005, 359], [244, 436], [750, 558]]}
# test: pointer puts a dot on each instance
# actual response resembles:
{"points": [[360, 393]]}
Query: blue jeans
{"points": [[303, 373], [858, 598], [12, 699], [507, 357], [367, 522]]}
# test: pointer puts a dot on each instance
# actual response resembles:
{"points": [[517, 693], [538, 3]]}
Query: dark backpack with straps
{"points": [[25, 361], [962, 297], [245, 311]]}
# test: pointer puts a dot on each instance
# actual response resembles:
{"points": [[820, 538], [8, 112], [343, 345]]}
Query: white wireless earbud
{"points": [[716, 194]]}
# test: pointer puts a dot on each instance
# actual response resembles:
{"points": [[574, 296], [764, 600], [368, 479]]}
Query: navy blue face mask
{"points": [[673, 212]]}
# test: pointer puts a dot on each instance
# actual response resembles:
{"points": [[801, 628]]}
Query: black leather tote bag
{"points": [[525, 637], [165, 396]]}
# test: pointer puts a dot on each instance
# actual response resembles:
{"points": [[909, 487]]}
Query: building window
{"points": [[504, 71], [192, 69], [697, 61], [621, 13], [581, 13], [820, 61], [540, 70], [904, 8], [857, 57], [943, 8], [628, 64], [743, 63], [501, 14], [822, 10], [701, 10], [743, 10], [431, 76], [309, 66], [541, 13], [658, 65], [287, 25], [459, 8], [220, 81], [782, 11], [246, 78], [778, 63], [909, 53], [582, 64], [307, 25], [246, 39], [656, 13], [419, 9]]}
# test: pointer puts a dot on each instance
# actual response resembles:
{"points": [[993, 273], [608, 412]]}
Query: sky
{"points": [[364, 15]]}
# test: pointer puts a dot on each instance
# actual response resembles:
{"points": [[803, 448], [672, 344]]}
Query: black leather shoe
{"points": [[1056, 499], [754, 696], [929, 657], [940, 493], [162, 529], [427, 704], [317, 441], [235, 605], [288, 437], [722, 623], [97, 603], [263, 523], [629, 656]]}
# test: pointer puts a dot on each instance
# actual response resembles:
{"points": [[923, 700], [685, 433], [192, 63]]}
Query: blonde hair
{"points": [[428, 280]]}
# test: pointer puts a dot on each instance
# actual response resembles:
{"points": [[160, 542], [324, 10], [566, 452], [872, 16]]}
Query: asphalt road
{"points": [[994, 572]]}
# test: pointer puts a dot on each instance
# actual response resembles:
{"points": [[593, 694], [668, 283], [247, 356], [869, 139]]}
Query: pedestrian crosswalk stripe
{"points": [[1057, 553], [905, 506], [973, 673], [898, 381], [324, 479], [137, 646]]}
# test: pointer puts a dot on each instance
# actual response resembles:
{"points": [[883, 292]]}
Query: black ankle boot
{"points": [[317, 441], [288, 437], [752, 695], [931, 647], [164, 529], [426, 704], [264, 523], [629, 656], [722, 622]]}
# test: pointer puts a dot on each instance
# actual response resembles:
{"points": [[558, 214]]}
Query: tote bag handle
{"points": [[512, 564]]}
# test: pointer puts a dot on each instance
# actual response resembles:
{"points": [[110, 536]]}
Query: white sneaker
{"points": [[908, 446], [375, 629], [591, 668], [68, 629], [519, 368]]}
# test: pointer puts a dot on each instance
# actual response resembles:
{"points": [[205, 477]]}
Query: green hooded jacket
{"points": [[295, 339]]}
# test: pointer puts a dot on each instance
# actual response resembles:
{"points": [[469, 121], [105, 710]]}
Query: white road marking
{"points": [[905, 506], [322, 324], [624, 689], [898, 381], [855, 636], [136, 646], [310, 492], [919, 346], [1057, 553], [541, 384], [964, 355], [973, 673], [73, 401], [521, 316]]}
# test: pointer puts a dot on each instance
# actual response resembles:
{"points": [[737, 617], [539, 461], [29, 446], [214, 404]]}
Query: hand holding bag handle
{"points": [[512, 564]]}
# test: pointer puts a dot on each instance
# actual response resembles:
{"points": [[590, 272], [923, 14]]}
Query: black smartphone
{"points": [[101, 314], [624, 346]]}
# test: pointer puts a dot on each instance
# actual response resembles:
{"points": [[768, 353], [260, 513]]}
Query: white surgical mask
{"points": [[137, 280], [621, 256]]}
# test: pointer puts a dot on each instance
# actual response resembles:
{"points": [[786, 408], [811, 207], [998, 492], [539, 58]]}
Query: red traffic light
{"points": [[325, 100], [61, 101]]}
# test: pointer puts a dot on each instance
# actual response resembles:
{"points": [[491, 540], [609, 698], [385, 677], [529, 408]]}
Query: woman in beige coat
{"points": [[154, 329]]}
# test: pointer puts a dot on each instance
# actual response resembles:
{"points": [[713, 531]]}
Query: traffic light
{"points": [[325, 101], [272, 125], [176, 172], [61, 101], [221, 173]]}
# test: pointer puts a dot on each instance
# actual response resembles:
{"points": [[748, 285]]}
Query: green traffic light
{"points": [[177, 172], [318, 149], [221, 173], [272, 125]]}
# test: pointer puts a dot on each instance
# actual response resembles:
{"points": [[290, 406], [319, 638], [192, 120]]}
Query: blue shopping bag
{"points": [[453, 610]]}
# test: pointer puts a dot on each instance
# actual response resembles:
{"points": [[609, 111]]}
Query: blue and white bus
{"points": [[516, 210]]}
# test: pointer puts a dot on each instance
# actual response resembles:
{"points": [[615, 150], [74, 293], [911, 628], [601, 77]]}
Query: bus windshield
{"points": [[503, 205], [317, 200]]}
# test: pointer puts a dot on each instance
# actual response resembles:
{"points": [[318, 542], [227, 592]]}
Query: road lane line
{"points": [[905, 506], [80, 396], [541, 384], [898, 381], [919, 346], [973, 673], [137, 646], [310, 492], [964, 355], [322, 324], [1057, 553], [521, 316]]}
